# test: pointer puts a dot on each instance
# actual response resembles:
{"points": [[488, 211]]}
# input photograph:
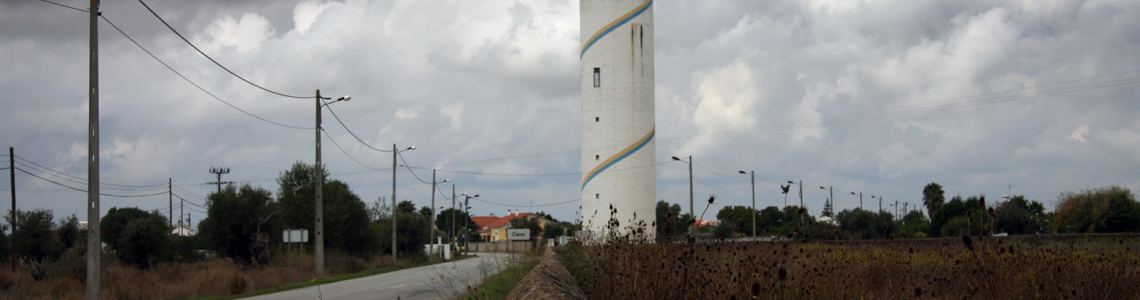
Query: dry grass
{"points": [[176, 280], [1030, 267]]}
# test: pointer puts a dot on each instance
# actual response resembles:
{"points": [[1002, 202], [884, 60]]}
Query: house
{"points": [[182, 230], [494, 229], [703, 223]]}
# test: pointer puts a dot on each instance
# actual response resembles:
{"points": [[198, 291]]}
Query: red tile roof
{"points": [[486, 223]]}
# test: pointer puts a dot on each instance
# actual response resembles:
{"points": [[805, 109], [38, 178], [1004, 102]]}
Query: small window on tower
{"points": [[597, 77], [597, 157], [597, 119], [597, 196]]}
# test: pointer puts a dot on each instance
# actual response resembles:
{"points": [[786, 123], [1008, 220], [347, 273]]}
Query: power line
{"points": [[191, 81], [326, 106], [524, 205], [349, 155], [37, 167], [65, 6], [83, 190], [410, 168], [212, 59]]}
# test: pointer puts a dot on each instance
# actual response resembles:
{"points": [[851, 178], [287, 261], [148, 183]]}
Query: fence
{"points": [[511, 246]]}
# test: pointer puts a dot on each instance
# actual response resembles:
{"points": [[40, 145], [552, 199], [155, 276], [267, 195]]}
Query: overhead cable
{"points": [[214, 61], [192, 82]]}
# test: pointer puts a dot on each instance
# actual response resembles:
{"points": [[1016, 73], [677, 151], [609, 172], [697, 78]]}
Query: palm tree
{"points": [[933, 197]]}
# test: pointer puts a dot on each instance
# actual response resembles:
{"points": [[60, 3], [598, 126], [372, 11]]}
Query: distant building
{"points": [[182, 230], [494, 229], [704, 223]]}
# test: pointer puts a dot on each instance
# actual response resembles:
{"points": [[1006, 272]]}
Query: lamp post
{"points": [[753, 173], [880, 203], [831, 196], [467, 212], [801, 184], [860, 200], [431, 221], [395, 152], [318, 178], [692, 213]]}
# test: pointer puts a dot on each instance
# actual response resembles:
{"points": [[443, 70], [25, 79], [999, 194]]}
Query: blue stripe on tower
{"points": [[618, 157], [614, 25]]}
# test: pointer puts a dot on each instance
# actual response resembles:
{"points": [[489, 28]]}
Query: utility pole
{"points": [[802, 200], [12, 173], [318, 177], [896, 209], [394, 154], [170, 194], [860, 200], [181, 211], [219, 172], [93, 242], [753, 205], [452, 236], [431, 220]]}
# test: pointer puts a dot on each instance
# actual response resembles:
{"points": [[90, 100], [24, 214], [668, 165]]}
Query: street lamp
{"points": [[831, 197], [860, 200], [692, 213], [431, 221], [395, 152], [880, 203], [753, 201], [801, 184], [467, 212], [319, 224]]}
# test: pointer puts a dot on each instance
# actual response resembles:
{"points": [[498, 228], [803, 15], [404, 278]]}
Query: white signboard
{"points": [[295, 235], [518, 234]]}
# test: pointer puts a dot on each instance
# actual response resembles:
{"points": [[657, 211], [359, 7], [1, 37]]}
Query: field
{"points": [[172, 280], [1026, 267]]}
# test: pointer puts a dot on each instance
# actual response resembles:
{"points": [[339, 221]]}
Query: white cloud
{"points": [[1079, 134], [306, 13], [246, 34]]}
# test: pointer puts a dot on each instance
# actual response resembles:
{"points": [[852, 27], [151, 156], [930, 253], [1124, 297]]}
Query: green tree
{"points": [[68, 231], [1019, 216], [5, 244], [444, 218], [33, 237], [933, 197], [740, 217], [915, 224], [670, 221], [863, 224], [724, 230], [1106, 209], [425, 212], [828, 210], [406, 207], [770, 218], [528, 223], [347, 220], [235, 217], [137, 237], [553, 230]]}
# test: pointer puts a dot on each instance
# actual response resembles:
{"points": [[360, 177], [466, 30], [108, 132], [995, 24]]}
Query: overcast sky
{"points": [[878, 97]]}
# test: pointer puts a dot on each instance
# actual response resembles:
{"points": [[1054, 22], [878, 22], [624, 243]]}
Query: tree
{"points": [[670, 221], [5, 245], [865, 224], [546, 215], [932, 198], [33, 237], [1106, 209], [1019, 216], [136, 236], [770, 218], [235, 219], [406, 207], [828, 209], [553, 230], [724, 230], [68, 231], [426, 212], [915, 224], [347, 220], [957, 207], [528, 223], [740, 217], [443, 221]]}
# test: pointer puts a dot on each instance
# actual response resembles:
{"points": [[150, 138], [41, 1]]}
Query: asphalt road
{"points": [[439, 281]]}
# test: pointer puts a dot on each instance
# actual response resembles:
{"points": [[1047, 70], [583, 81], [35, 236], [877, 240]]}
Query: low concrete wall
{"points": [[513, 246], [548, 280]]}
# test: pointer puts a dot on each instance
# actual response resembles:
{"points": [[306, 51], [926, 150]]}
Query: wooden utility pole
{"points": [[93, 242], [170, 194]]}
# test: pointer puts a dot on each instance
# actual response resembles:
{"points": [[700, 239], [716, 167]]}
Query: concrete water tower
{"points": [[617, 114]]}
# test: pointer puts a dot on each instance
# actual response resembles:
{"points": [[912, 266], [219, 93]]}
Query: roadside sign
{"points": [[295, 235], [518, 234]]}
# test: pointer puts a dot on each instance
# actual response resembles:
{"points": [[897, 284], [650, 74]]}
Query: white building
{"points": [[618, 123], [182, 230]]}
